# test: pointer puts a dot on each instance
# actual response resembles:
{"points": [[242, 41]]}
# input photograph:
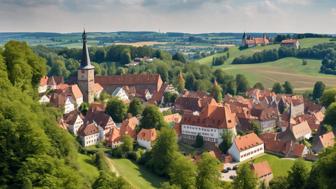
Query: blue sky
{"points": [[194, 16]]}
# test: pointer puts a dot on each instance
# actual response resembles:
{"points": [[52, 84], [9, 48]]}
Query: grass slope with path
{"points": [[138, 176], [279, 166], [87, 167]]}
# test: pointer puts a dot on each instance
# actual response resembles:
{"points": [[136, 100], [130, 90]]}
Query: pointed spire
{"points": [[85, 63]]}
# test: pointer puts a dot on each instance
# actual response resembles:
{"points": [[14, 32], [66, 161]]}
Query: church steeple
{"points": [[85, 62]]}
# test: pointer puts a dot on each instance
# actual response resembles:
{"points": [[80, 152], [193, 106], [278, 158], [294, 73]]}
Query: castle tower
{"points": [[85, 74]]}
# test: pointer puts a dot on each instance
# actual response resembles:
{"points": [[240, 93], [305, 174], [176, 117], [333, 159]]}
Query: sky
{"points": [[192, 16]]}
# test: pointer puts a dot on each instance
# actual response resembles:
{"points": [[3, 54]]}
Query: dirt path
{"points": [[110, 164]]}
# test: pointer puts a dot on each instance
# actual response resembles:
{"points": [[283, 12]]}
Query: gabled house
{"points": [[192, 101], [76, 94], [210, 123], [121, 94], [324, 141], [291, 43], [246, 147], [89, 134], [301, 131], [42, 88], [266, 116], [104, 122], [146, 137], [62, 100], [113, 138], [73, 120], [263, 171], [128, 127], [44, 99], [296, 106]]}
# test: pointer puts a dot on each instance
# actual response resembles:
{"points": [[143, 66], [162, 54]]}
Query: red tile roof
{"points": [[301, 129], [289, 41], [128, 127], [71, 117], [327, 140], [261, 169], [175, 118], [147, 134], [212, 116], [76, 92], [247, 141], [43, 81], [113, 136], [88, 129]]}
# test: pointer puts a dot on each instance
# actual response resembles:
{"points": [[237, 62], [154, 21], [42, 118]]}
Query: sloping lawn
{"points": [[87, 168], [280, 166], [136, 175]]}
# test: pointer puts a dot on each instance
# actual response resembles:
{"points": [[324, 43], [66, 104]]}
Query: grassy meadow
{"points": [[301, 76]]}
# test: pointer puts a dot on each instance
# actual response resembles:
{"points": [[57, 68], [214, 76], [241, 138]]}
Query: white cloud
{"points": [[295, 2]]}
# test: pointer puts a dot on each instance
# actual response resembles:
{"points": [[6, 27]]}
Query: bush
{"points": [[116, 152]]}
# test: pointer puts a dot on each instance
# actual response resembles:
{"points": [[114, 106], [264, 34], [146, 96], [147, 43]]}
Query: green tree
{"points": [[217, 92], [288, 88], [279, 183], [127, 144], [328, 97], [227, 141], [277, 88], [125, 57], [164, 152], [231, 88], [179, 57], [259, 86], [84, 107], [319, 88], [135, 107], [256, 127], [116, 109], [152, 118], [245, 179], [330, 115], [180, 83], [182, 172], [298, 175], [199, 142], [242, 83], [208, 172]]}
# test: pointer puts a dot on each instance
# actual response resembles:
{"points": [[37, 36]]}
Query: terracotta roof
{"points": [[247, 141], [264, 113], [212, 116], [97, 106], [193, 101], [297, 150], [128, 127], [261, 169], [76, 92], [88, 129], [71, 117], [130, 79], [175, 118], [147, 134], [58, 79], [289, 41], [319, 116], [62, 87], [113, 136], [43, 81], [100, 118], [97, 88], [301, 129], [58, 98], [327, 140], [51, 81], [257, 41]]}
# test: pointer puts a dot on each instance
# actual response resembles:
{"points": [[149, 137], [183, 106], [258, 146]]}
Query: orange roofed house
{"points": [[246, 147], [324, 141], [146, 137], [210, 123], [292, 43], [263, 171]]}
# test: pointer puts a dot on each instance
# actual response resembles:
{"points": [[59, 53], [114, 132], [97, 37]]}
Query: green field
{"points": [[286, 69], [136, 175], [301, 76], [87, 167], [279, 166]]}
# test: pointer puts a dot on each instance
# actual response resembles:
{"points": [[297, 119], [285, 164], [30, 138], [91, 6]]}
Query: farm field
{"points": [[301, 76], [136, 175], [279, 166]]}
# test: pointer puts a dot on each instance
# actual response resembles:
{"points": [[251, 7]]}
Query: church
{"points": [[249, 41], [146, 86]]}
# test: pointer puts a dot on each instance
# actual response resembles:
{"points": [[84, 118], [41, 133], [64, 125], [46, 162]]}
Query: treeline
{"points": [[278, 38], [325, 52]]}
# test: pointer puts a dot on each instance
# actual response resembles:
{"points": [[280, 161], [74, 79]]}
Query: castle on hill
{"points": [[249, 41]]}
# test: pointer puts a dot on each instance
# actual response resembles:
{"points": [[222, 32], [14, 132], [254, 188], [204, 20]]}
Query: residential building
{"points": [[292, 43], [146, 137], [192, 101], [210, 123], [63, 100], [121, 94], [76, 94], [89, 134], [263, 171], [73, 121], [42, 88], [113, 138], [324, 141], [296, 106], [104, 122], [128, 127], [44, 99], [246, 147], [266, 116], [301, 131]]}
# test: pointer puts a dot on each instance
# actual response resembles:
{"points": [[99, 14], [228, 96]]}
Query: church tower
{"points": [[85, 74]]}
